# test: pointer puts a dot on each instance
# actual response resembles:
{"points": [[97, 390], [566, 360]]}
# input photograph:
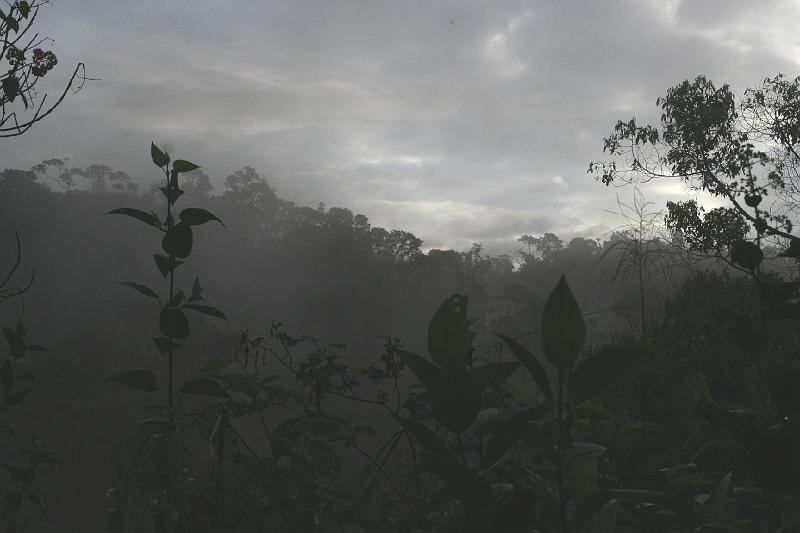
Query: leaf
{"points": [[511, 430], [432, 442], [178, 240], [16, 342], [793, 250], [179, 165], [206, 310], [449, 338], [171, 194], [143, 380], [159, 158], [717, 509], [173, 323], [10, 85], [592, 503], [24, 8], [535, 368], [604, 520], [166, 264], [197, 291], [494, 374], [456, 400], [563, 330], [148, 218], [141, 289], [602, 369], [15, 397], [427, 373], [746, 254], [12, 22], [205, 386], [196, 217], [163, 344]]}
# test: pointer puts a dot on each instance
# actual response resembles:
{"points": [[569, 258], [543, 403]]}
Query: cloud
{"points": [[460, 121]]}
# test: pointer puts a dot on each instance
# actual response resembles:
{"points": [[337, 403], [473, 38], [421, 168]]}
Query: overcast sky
{"points": [[459, 121]]}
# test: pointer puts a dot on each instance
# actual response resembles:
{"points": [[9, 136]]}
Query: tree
{"points": [[741, 151], [26, 63]]}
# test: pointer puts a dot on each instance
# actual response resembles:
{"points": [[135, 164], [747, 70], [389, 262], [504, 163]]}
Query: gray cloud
{"points": [[460, 121]]}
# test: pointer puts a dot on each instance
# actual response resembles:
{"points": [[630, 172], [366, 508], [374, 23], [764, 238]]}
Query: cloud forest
{"points": [[191, 352]]}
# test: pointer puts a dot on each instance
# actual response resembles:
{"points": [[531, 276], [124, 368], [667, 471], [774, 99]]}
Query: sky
{"points": [[460, 121]]}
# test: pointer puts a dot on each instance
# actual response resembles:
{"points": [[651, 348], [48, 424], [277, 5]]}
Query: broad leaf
{"points": [[171, 193], [456, 400], [159, 158], [178, 240], [594, 502], [494, 374], [205, 386], [196, 217], [449, 338], [148, 218], [173, 323], [143, 380], [427, 373], [717, 509], [746, 254], [563, 330], [141, 289], [602, 369], [535, 368], [206, 310], [179, 165], [511, 430]]}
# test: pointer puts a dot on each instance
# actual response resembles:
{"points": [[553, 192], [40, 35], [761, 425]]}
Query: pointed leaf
{"points": [[432, 442], [16, 342], [141, 289], [148, 218], [10, 86], [171, 194], [205, 386], [165, 264], [196, 217], [456, 399], [717, 510], [143, 380], [535, 368], [178, 240], [159, 158], [179, 165], [602, 369], [563, 330], [206, 310]]}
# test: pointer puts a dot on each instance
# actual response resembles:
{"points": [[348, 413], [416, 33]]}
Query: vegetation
{"points": [[504, 397]]}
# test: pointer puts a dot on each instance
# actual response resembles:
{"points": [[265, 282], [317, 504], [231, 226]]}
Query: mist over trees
{"points": [[185, 358]]}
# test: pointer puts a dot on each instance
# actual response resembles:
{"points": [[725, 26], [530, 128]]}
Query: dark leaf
{"points": [[195, 217], [592, 503], [24, 8], [793, 250], [432, 442], [171, 194], [603, 368], [16, 397], [165, 264], [143, 380], [206, 310], [10, 84], [205, 386], [178, 240], [449, 338], [141, 289], [494, 374], [179, 165], [511, 430], [159, 158], [148, 218], [173, 323], [535, 368], [747, 338], [12, 23], [456, 399], [16, 342], [563, 330], [163, 344], [427, 373]]}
